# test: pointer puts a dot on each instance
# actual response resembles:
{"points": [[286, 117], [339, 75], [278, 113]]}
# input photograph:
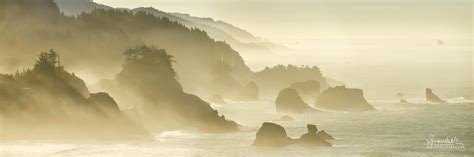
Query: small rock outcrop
{"points": [[312, 138], [343, 99], [309, 90], [286, 118], [248, 93], [274, 135], [325, 135], [289, 101], [431, 97], [403, 101], [271, 134]]}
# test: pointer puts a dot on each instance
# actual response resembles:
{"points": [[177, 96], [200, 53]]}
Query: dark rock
{"points": [[312, 138], [289, 101], [271, 134], [431, 97], [325, 135], [343, 99], [248, 93], [308, 90], [274, 135]]}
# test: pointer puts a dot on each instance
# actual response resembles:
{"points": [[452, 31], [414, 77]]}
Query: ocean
{"points": [[392, 130]]}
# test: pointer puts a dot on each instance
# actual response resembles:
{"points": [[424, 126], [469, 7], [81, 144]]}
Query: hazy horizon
{"points": [[348, 39]]}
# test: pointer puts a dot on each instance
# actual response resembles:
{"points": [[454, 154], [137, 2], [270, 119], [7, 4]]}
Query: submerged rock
{"points": [[403, 101], [431, 97], [309, 90], [286, 118], [248, 93], [289, 101], [271, 134], [343, 99]]}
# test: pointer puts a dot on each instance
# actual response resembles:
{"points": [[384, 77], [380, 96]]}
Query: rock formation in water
{"points": [[248, 93], [309, 90], [325, 135], [403, 101], [274, 135], [286, 118], [312, 138], [148, 81], [289, 101], [343, 99], [48, 102], [431, 97], [272, 79]]}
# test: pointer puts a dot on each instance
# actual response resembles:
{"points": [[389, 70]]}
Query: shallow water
{"points": [[392, 130]]}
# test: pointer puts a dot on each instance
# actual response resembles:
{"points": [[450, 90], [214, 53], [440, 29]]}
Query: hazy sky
{"points": [[371, 44], [277, 19]]}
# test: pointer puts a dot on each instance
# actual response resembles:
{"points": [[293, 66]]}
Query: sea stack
{"points": [[271, 134], [431, 97], [343, 99], [312, 138], [274, 135], [289, 101]]}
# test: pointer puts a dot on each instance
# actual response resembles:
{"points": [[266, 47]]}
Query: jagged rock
{"points": [[271, 134], [309, 90], [325, 135], [312, 138], [431, 97], [248, 93], [274, 135], [343, 99], [286, 118], [289, 100]]}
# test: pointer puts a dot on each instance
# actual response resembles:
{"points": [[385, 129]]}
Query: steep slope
{"points": [[148, 81], [93, 40], [47, 102], [76, 7]]}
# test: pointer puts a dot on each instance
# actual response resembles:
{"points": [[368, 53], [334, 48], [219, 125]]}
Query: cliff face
{"points": [[289, 100], [343, 99], [272, 80], [309, 90], [92, 39], [148, 82], [49, 99]]}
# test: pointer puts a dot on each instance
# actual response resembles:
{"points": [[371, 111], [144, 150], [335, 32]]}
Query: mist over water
{"points": [[392, 130], [213, 77]]}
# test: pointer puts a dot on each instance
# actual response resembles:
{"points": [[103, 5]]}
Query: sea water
{"points": [[393, 129]]}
